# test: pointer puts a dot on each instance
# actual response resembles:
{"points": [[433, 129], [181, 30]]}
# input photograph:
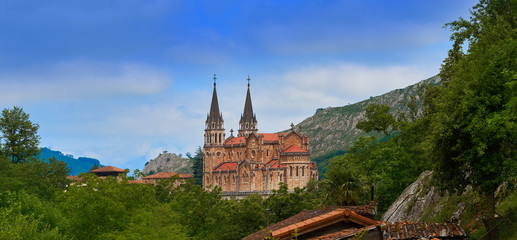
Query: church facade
{"points": [[253, 161]]}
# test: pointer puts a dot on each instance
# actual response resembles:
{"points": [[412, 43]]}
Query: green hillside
{"points": [[332, 130]]}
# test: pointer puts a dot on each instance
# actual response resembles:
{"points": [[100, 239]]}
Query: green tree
{"points": [[152, 223], [473, 137], [43, 178], [202, 213], [379, 119], [284, 204], [343, 185], [19, 136], [198, 166]]}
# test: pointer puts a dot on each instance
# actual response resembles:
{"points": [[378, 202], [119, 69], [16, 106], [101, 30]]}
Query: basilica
{"points": [[253, 162]]}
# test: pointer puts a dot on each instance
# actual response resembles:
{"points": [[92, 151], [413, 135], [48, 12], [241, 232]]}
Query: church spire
{"points": [[248, 120], [214, 119]]}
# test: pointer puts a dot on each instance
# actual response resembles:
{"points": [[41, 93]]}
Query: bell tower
{"points": [[248, 122], [214, 125]]}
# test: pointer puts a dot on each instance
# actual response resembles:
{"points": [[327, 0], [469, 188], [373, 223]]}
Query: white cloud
{"points": [[296, 94], [81, 80]]}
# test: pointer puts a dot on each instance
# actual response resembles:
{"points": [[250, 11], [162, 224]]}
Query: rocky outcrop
{"points": [[416, 198], [168, 162], [334, 128]]}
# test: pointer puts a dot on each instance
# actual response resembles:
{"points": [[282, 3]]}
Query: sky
{"points": [[125, 80]]}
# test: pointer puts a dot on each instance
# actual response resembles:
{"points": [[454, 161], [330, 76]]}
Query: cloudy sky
{"points": [[124, 80]]}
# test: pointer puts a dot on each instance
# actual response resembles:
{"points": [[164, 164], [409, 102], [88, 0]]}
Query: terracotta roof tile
{"points": [[368, 211], [225, 166], [416, 230], [294, 148], [270, 137], [236, 140], [107, 169], [74, 178]]}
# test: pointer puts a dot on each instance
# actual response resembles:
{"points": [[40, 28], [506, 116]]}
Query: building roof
{"points": [[270, 137], [226, 166], [74, 178], [368, 211], [295, 149], [107, 169], [415, 230], [166, 175], [236, 140], [323, 220], [310, 221]]}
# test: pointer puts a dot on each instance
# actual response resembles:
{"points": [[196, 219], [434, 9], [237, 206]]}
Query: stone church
{"points": [[253, 161]]}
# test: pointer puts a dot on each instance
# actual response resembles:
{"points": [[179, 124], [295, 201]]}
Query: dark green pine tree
{"points": [[19, 136], [198, 166]]}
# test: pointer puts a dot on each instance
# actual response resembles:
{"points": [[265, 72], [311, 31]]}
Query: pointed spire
{"points": [[248, 120], [215, 117]]}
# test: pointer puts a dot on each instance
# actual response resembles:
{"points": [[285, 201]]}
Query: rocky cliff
{"points": [[168, 162], [333, 129], [415, 199]]}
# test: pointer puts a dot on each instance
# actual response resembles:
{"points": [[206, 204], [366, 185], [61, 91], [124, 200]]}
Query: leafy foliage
{"points": [[19, 135], [474, 130], [198, 166]]}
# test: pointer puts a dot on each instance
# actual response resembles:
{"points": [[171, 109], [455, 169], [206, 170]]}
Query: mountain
{"points": [[168, 162], [332, 130], [77, 166]]}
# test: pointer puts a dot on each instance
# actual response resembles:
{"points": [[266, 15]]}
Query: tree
{"points": [[474, 136], [379, 119], [198, 166], [19, 135], [284, 204]]}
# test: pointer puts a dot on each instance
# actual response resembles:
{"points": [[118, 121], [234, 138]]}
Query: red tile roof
{"points": [[166, 175], [107, 169], [414, 230], [74, 178], [226, 166], [295, 149], [269, 136], [313, 165], [236, 140], [345, 215], [368, 211]]}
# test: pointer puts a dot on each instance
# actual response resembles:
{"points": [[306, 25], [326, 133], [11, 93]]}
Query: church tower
{"points": [[248, 122], [214, 125]]}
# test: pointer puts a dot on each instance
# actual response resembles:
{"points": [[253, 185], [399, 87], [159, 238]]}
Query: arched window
{"points": [[267, 153], [220, 139], [297, 171], [253, 154], [290, 171], [303, 171]]}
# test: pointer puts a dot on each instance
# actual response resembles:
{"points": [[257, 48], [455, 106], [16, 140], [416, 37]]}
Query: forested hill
{"points": [[333, 129], [76, 165]]}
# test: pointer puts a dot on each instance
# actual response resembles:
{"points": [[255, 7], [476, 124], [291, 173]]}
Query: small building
{"points": [[353, 222], [153, 179], [108, 171]]}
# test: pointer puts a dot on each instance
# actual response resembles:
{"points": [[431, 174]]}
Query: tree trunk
{"points": [[489, 217]]}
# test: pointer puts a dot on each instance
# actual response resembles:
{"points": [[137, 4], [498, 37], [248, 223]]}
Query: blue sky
{"points": [[122, 81]]}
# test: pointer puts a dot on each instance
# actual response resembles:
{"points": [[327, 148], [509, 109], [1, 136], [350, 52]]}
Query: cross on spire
{"points": [[248, 80], [214, 79]]}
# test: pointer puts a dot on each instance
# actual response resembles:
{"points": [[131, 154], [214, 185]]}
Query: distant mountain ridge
{"points": [[333, 130], [76, 165]]}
